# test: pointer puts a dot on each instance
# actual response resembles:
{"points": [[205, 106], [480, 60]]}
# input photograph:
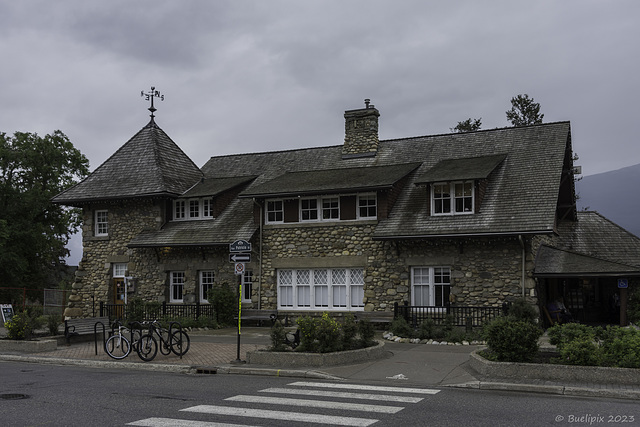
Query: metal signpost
{"points": [[240, 252]]}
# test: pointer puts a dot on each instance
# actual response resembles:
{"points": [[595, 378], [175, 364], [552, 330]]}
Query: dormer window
{"points": [[193, 209], [452, 198]]}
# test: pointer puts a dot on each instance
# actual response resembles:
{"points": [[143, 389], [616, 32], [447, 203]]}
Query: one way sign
{"points": [[239, 257]]}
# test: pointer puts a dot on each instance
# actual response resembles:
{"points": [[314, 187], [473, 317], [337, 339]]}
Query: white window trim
{"points": [[248, 282], [431, 285], [97, 228], [312, 294], [186, 209], [119, 269], [172, 284], [452, 198], [203, 300], [375, 197], [267, 211]]}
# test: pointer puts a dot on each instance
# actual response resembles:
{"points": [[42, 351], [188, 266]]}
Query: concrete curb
{"points": [[273, 372], [99, 364]]}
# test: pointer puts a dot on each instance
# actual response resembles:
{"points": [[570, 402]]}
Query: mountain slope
{"points": [[614, 194]]}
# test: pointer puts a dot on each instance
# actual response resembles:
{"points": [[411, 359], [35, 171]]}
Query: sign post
{"points": [[623, 285], [238, 256]]}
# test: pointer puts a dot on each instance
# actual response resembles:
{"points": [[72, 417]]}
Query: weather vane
{"points": [[149, 96]]}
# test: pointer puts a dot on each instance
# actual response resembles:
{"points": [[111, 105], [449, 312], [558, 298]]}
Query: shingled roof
{"points": [[593, 245], [150, 164], [523, 166]]}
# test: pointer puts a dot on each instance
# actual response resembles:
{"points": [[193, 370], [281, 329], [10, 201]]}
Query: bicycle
{"points": [[118, 346], [177, 341]]}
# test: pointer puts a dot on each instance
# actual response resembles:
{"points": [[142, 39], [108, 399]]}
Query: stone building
{"points": [[471, 219]]}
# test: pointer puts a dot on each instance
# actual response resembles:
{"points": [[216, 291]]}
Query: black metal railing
{"points": [[170, 311], [467, 316]]}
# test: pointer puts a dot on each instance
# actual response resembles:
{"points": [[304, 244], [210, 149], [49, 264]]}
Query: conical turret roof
{"points": [[150, 164]]}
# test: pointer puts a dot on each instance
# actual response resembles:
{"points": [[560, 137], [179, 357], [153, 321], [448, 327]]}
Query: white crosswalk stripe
{"points": [[367, 387], [343, 395], [282, 415], [336, 393], [317, 404]]}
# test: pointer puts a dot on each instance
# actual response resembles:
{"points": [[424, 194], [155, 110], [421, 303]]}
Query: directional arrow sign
{"points": [[239, 257], [240, 246]]}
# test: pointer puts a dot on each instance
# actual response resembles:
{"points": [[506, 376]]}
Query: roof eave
{"points": [[449, 235]]}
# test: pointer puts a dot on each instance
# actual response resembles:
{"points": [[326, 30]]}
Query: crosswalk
{"points": [[284, 404]]}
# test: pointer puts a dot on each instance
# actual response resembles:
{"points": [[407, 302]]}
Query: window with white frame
{"points": [[452, 198], [367, 206], [101, 223], [206, 284], [247, 286], [179, 209], [191, 209], [176, 286], [275, 211], [331, 208], [430, 286], [338, 289], [309, 209], [119, 269]]}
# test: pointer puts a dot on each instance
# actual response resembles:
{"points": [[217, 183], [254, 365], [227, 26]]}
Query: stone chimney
{"points": [[361, 132]]}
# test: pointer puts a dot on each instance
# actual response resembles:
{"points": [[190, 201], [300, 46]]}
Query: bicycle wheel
{"points": [[165, 346], [117, 346], [147, 348], [180, 343]]}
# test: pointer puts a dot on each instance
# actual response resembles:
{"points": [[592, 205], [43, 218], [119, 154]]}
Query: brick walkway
{"points": [[199, 354]]}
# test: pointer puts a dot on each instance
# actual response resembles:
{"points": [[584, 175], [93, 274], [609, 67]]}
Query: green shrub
{"points": [[427, 329], [512, 340], [328, 334], [153, 309], [224, 302], [307, 327], [277, 335], [561, 335], [455, 335], [53, 323], [20, 327], [401, 328], [581, 351], [522, 310], [633, 305], [366, 333], [621, 347], [349, 331], [135, 310]]}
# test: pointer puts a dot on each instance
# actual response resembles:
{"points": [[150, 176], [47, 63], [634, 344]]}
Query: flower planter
{"points": [[28, 346], [553, 372], [299, 359]]}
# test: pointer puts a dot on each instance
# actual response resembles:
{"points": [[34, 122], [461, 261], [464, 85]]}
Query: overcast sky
{"points": [[248, 76]]}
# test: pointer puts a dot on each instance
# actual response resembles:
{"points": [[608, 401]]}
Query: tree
{"points": [[524, 111], [468, 125], [33, 230]]}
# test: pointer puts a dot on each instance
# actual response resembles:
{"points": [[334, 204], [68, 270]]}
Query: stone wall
{"points": [[484, 271]]}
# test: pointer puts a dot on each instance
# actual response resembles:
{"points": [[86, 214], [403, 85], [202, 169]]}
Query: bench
{"points": [[375, 316], [86, 326], [259, 315]]}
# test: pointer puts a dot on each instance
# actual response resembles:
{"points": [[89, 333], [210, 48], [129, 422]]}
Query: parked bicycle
{"points": [[118, 346], [171, 340]]}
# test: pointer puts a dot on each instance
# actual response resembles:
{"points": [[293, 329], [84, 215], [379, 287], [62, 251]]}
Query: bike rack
{"points": [[95, 334]]}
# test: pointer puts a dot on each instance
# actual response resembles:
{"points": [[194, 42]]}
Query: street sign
{"points": [[239, 257], [239, 268], [623, 283], [240, 246]]}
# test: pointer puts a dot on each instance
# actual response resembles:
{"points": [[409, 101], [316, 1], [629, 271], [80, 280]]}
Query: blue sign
{"points": [[623, 283]]}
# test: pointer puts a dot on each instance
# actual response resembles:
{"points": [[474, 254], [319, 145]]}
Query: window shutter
{"points": [[291, 210], [347, 207]]}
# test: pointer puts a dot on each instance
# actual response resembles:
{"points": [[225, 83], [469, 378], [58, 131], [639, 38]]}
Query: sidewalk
{"points": [[216, 351]]}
